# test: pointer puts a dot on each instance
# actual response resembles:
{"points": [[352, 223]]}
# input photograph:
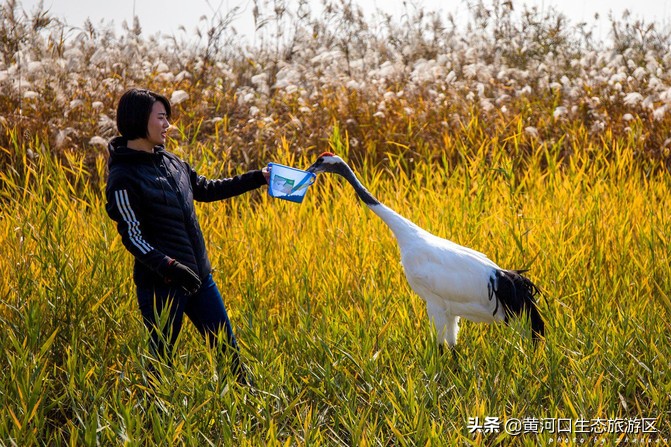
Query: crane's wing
{"points": [[454, 277]]}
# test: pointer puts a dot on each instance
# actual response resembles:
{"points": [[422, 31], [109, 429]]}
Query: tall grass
{"points": [[340, 348], [549, 152]]}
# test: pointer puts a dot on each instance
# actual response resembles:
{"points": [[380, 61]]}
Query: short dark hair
{"points": [[132, 113]]}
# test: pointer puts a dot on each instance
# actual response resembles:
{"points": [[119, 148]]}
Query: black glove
{"points": [[182, 276]]}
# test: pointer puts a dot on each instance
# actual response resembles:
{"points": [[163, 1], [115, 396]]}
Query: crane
{"points": [[454, 281]]}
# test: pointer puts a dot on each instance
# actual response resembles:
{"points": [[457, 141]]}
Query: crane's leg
{"points": [[447, 326], [451, 330], [449, 337]]}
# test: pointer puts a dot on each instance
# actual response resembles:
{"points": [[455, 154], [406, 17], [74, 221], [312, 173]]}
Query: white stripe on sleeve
{"points": [[128, 215]]}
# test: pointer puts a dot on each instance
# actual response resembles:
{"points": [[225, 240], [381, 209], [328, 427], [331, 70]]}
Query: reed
{"points": [[551, 155]]}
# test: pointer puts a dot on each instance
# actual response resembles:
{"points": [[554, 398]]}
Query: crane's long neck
{"points": [[402, 228]]}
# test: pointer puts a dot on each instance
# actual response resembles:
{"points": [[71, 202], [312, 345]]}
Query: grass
{"points": [[534, 152], [340, 347]]}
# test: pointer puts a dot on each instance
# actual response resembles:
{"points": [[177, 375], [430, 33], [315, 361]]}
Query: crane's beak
{"points": [[313, 167]]}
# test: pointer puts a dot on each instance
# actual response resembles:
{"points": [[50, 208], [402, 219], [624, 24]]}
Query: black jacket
{"points": [[150, 197]]}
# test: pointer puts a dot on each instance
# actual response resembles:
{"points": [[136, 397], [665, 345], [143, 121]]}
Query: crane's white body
{"points": [[453, 280]]}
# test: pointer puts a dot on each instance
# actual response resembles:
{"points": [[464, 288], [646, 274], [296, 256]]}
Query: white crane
{"points": [[453, 280]]}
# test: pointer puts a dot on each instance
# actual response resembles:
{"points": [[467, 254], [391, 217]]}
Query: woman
{"points": [[150, 195]]}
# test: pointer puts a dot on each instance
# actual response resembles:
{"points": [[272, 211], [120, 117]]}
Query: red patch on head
{"points": [[327, 154]]}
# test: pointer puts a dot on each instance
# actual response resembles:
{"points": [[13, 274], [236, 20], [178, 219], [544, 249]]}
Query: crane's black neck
{"points": [[404, 230], [365, 195]]}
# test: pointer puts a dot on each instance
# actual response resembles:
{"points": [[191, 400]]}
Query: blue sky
{"points": [[167, 15]]}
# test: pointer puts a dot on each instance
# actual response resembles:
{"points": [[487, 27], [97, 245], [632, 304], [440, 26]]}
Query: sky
{"points": [[166, 16]]}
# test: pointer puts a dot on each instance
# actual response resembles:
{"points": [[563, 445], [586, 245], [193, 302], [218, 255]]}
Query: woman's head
{"points": [[134, 113]]}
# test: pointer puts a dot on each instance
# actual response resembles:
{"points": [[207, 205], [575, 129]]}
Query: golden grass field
{"points": [[558, 165], [341, 349]]}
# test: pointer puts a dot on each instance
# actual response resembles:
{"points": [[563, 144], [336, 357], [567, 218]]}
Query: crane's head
{"points": [[327, 162]]}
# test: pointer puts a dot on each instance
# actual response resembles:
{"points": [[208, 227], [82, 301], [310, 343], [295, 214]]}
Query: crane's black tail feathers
{"points": [[518, 295]]}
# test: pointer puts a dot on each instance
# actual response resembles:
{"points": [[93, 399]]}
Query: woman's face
{"points": [[158, 124]]}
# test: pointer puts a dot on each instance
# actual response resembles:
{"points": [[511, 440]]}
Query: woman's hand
{"points": [[266, 173], [182, 276]]}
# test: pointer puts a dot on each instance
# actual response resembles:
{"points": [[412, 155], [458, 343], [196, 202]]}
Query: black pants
{"points": [[205, 309]]}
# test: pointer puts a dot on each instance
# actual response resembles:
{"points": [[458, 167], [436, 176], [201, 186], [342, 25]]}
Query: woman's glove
{"points": [[182, 276]]}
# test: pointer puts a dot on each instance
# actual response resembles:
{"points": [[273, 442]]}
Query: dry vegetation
{"points": [[412, 85], [515, 133]]}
